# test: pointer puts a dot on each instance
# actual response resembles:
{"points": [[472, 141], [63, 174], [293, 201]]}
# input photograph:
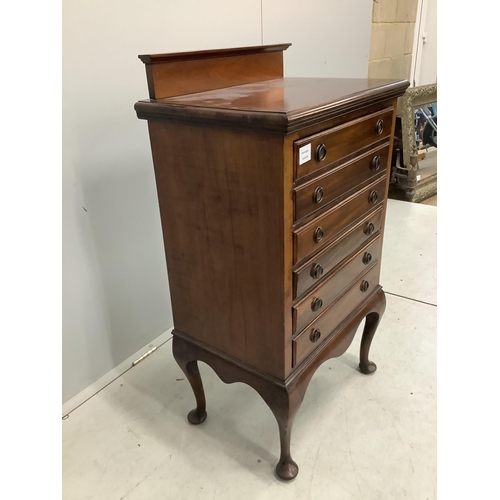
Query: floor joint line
{"points": [[409, 298]]}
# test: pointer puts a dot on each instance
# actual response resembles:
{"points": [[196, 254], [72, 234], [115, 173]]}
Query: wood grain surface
{"points": [[336, 219], [347, 243], [333, 316], [342, 140], [224, 238], [187, 72], [335, 285], [280, 105], [247, 227], [340, 181]]}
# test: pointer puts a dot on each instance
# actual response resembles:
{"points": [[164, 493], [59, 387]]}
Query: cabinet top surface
{"points": [[287, 103], [284, 95]]}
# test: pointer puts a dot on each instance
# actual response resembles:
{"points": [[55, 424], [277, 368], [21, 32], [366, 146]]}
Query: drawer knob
{"points": [[317, 304], [364, 286], [317, 271], [318, 195], [375, 163], [320, 152], [373, 197], [367, 258], [318, 234], [369, 229], [315, 335], [379, 127]]}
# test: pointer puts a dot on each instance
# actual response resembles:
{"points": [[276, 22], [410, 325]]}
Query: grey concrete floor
{"points": [[355, 437]]}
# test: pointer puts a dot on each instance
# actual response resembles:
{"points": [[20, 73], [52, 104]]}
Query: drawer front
{"points": [[325, 189], [323, 295], [319, 150], [318, 268], [319, 232], [315, 335]]}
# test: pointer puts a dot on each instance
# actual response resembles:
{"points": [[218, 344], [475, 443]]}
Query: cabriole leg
{"points": [[371, 324], [190, 368], [284, 409]]}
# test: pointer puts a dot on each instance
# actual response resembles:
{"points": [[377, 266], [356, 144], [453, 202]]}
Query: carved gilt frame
{"points": [[413, 98]]}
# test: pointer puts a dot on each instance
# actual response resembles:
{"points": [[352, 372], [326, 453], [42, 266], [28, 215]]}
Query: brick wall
{"points": [[391, 46]]}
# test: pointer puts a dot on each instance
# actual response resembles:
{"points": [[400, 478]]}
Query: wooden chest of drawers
{"points": [[272, 194]]}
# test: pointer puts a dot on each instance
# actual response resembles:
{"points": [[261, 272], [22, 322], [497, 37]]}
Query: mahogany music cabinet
{"points": [[272, 194]]}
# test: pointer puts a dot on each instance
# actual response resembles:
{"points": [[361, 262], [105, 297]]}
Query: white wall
{"points": [[329, 38], [424, 64], [115, 288]]}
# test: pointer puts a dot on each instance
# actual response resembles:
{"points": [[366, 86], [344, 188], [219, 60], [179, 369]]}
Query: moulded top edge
{"points": [[211, 54]]}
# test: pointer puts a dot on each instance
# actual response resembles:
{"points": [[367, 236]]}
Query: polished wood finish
{"points": [[189, 366], [343, 140], [278, 106], [336, 219], [188, 72], [328, 321], [271, 267], [319, 267], [329, 187], [309, 308], [223, 234], [212, 54]]}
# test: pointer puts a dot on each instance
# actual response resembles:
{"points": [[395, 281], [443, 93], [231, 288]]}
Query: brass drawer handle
{"points": [[318, 234], [364, 286], [317, 304], [367, 258], [318, 195], [379, 128], [373, 197], [320, 153], [317, 271], [315, 335], [375, 163], [369, 229]]}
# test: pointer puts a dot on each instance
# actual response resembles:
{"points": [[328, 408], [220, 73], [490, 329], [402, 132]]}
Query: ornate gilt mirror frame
{"points": [[415, 189]]}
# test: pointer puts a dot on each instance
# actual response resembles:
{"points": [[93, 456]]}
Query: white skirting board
{"points": [[119, 370]]}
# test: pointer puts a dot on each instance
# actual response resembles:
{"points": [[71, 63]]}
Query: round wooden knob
{"points": [[379, 127], [317, 271], [318, 195], [369, 229], [375, 163], [320, 152], [373, 197], [367, 258], [315, 335], [318, 234], [364, 286], [317, 304]]}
